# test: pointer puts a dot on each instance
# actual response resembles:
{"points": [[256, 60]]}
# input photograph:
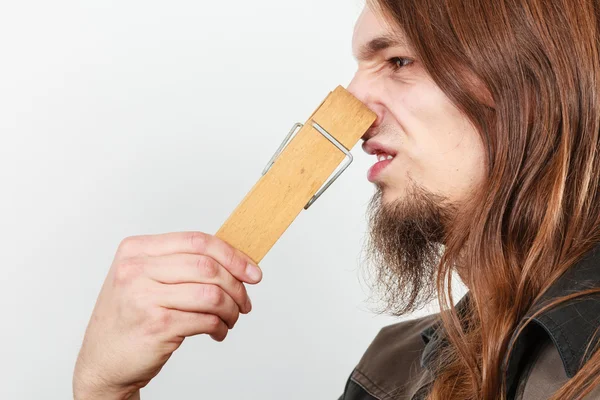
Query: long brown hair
{"points": [[539, 210]]}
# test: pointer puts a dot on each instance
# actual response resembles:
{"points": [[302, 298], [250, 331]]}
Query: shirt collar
{"points": [[570, 326], [433, 335]]}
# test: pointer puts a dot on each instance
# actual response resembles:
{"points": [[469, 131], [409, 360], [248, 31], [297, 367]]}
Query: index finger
{"points": [[236, 262]]}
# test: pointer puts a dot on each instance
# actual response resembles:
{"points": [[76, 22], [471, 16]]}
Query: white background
{"points": [[135, 117]]}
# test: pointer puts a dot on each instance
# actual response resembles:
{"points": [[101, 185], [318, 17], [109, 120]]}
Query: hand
{"points": [[159, 289]]}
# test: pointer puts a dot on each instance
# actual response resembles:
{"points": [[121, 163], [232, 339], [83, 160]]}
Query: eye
{"points": [[399, 62]]}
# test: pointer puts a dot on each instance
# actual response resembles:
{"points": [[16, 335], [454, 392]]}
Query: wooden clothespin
{"points": [[296, 175]]}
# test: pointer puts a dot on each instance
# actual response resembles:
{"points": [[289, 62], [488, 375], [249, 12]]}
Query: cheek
{"points": [[441, 148], [431, 128], [436, 126], [458, 166]]}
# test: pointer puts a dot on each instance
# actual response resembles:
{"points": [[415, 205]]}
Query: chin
{"points": [[394, 187], [390, 194]]}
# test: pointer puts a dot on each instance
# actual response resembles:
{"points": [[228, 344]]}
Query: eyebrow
{"points": [[376, 45]]}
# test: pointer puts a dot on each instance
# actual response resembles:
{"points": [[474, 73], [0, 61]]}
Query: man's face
{"points": [[438, 158], [432, 143]]}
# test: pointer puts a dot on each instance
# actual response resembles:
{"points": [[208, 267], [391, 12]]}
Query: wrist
{"points": [[135, 396], [98, 394], [94, 389]]}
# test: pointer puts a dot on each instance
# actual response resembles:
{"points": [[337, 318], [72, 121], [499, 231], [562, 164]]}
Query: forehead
{"points": [[368, 24], [371, 34]]}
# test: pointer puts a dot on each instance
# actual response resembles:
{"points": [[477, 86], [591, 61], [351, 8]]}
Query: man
{"points": [[488, 168]]}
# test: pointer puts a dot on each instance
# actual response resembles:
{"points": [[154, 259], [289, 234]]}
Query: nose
{"points": [[366, 92]]}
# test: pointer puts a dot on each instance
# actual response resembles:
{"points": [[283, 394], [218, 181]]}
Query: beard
{"points": [[404, 248]]}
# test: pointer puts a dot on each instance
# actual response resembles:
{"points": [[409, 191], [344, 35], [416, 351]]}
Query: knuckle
{"points": [[198, 241], [139, 301], [230, 256], [239, 289], [213, 322], [234, 260], [159, 321], [127, 270], [207, 267], [239, 292], [128, 244], [212, 294]]}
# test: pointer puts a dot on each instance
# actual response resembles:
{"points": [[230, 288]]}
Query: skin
{"points": [[439, 163], [163, 288], [159, 290], [437, 147]]}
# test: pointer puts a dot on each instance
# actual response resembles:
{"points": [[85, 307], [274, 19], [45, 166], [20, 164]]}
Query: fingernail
{"points": [[253, 272], [248, 305]]}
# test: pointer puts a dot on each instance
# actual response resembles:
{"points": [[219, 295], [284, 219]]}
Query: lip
{"points": [[372, 147], [376, 169]]}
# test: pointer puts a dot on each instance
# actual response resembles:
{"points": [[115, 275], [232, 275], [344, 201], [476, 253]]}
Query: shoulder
{"points": [[396, 339], [391, 366]]}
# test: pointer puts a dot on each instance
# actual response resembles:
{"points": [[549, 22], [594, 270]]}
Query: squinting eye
{"points": [[398, 62]]}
